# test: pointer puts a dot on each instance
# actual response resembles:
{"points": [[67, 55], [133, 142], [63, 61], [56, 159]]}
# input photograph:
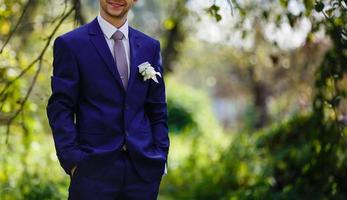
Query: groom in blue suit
{"points": [[108, 109]]}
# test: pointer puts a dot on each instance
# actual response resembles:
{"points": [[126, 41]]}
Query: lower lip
{"points": [[116, 6]]}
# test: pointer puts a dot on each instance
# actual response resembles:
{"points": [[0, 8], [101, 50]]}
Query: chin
{"points": [[114, 13], [117, 15]]}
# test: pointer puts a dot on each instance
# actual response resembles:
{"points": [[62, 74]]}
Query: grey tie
{"points": [[120, 57]]}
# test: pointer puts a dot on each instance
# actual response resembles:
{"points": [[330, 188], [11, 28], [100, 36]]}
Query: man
{"points": [[108, 109]]}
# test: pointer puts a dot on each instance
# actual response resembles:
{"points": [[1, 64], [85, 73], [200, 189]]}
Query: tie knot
{"points": [[118, 35]]}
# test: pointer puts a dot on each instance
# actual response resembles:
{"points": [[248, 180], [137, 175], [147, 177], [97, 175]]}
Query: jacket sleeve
{"points": [[156, 107], [62, 104]]}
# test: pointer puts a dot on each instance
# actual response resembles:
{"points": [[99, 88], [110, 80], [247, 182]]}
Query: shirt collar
{"points": [[108, 29]]}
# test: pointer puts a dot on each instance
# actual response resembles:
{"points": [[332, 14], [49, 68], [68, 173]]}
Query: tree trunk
{"points": [[260, 95], [175, 35]]}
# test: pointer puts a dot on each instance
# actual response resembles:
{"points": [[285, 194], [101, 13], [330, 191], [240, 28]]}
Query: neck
{"points": [[115, 21]]}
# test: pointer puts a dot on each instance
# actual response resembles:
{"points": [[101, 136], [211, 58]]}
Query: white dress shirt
{"points": [[108, 29]]}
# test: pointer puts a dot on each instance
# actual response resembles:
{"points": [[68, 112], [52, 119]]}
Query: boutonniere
{"points": [[148, 72]]}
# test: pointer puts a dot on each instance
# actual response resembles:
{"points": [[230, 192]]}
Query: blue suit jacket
{"points": [[90, 112]]}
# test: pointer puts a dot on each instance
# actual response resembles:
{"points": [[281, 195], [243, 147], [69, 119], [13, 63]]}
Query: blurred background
{"points": [[256, 92]]}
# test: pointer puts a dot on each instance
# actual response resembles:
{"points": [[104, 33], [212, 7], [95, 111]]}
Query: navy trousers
{"points": [[111, 177]]}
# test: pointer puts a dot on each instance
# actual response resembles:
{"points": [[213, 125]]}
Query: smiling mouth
{"points": [[116, 4]]}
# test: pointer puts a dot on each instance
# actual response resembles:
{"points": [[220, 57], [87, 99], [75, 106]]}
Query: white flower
{"points": [[148, 72]]}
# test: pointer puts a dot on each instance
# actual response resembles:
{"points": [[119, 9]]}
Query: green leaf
{"points": [[330, 12], [213, 11], [284, 3], [215, 8], [309, 4], [319, 6], [218, 17]]}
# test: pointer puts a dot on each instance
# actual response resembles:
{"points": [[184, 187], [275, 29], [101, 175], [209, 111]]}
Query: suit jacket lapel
{"points": [[98, 39], [134, 50]]}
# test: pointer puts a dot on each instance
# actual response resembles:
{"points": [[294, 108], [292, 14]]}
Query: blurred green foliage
{"points": [[307, 159], [29, 170], [189, 108], [297, 159]]}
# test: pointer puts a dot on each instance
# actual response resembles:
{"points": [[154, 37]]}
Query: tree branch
{"points": [[16, 26], [38, 60], [79, 17]]}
